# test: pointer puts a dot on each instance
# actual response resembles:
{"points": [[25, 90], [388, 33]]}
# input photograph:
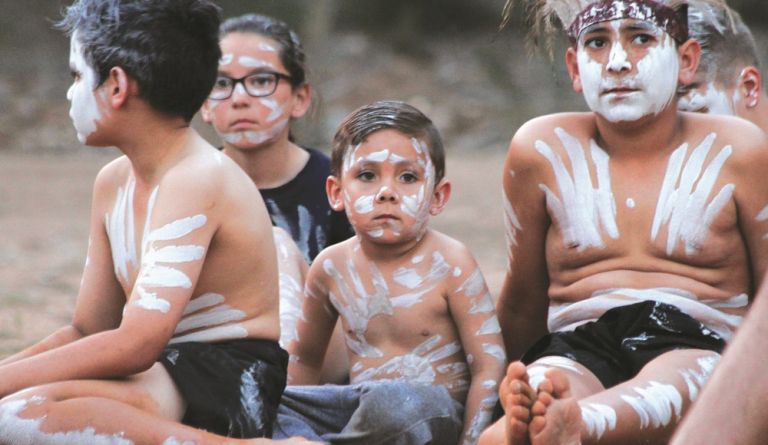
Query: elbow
{"points": [[137, 355]]}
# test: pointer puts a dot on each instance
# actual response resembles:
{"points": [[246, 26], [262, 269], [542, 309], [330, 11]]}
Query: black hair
{"points": [[169, 47], [291, 50], [387, 115]]}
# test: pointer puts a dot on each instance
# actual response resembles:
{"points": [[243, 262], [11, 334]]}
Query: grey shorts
{"points": [[370, 413]]}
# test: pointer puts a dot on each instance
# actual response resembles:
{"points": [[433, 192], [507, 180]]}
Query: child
{"points": [[419, 323], [177, 314], [260, 89], [636, 235]]}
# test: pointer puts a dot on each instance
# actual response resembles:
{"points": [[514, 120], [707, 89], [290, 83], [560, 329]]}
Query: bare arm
{"points": [[471, 307], [523, 303], [314, 329], [100, 298], [751, 195], [153, 308]]}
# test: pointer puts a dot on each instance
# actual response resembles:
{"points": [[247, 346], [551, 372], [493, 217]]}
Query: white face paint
{"points": [[581, 210], [683, 198], [712, 100], [655, 404], [84, 107], [653, 80]]}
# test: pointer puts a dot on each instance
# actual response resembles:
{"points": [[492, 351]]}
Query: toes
{"points": [[537, 425], [561, 388]]}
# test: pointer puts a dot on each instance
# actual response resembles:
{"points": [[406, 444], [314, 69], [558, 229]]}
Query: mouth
{"points": [[242, 124], [386, 217], [620, 91]]}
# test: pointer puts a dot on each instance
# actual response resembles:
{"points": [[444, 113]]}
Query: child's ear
{"points": [[206, 112], [334, 192], [440, 197], [118, 87], [689, 54], [303, 99], [750, 86], [572, 63]]}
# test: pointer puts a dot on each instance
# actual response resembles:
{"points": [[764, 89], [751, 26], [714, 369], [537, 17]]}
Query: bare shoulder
{"points": [[455, 253], [330, 258], [524, 148], [110, 178], [740, 134]]}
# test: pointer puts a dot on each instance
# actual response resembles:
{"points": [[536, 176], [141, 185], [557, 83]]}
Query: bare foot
{"points": [[556, 415], [517, 398]]}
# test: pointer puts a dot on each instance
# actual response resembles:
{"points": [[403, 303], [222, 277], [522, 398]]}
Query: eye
{"points": [[75, 74], [642, 39], [261, 80], [595, 43], [409, 177], [366, 176], [222, 82]]}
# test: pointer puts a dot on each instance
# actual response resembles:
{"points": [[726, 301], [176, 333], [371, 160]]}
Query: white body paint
{"points": [[656, 404], [655, 78], [250, 398], [481, 420], [252, 62], [157, 264], [358, 305], [84, 107], [565, 317], [684, 202], [581, 210], [511, 228], [420, 366], [713, 100], [696, 378], [598, 418], [17, 430]]}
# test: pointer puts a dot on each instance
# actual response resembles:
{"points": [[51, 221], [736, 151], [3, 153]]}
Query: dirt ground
{"points": [[44, 210]]}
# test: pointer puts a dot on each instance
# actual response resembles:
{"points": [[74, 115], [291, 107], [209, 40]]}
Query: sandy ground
{"points": [[44, 210]]}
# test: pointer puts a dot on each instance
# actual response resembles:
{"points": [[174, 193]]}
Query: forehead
{"points": [[251, 44], [76, 56], [621, 26], [396, 142]]}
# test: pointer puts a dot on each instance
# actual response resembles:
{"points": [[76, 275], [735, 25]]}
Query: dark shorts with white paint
{"points": [[617, 345], [231, 388]]}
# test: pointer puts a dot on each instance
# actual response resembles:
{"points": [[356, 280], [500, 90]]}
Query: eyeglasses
{"points": [[256, 85]]}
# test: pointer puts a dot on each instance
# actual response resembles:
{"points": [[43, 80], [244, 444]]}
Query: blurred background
{"points": [[446, 57]]}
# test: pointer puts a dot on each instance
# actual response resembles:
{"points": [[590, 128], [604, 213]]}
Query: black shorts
{"points": [[617, 345], [231, 388]]}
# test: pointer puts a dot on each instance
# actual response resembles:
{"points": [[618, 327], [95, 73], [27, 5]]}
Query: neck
{"points": [[161, 141], [271, 165], [647, 137], [389, 252]]}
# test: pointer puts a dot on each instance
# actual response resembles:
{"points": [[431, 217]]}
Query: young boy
{"points": [[728, 80], [636, 236], [177, 314], [422, 337]]}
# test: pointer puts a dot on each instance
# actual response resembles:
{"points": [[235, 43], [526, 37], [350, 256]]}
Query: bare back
{"points": [[191, 250]]}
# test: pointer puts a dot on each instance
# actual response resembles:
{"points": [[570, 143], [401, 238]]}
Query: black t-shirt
{"points": [[301, 208]]}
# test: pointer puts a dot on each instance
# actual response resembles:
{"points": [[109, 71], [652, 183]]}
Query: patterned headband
{"points": [[674, 22]]}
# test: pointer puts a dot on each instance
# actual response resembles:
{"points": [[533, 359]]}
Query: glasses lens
{"points": [[222, 88], [261, 84]]}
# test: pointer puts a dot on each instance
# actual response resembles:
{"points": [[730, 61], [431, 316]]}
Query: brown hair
{"points": [[387, 115]]}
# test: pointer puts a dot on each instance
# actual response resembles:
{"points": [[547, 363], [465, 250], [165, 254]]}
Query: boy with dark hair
{"points": [[729, 80], [636, 236], [422, 338], [177, 315]]}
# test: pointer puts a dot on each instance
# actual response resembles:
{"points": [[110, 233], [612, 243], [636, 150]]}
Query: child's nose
{"points": [[385, 194]]}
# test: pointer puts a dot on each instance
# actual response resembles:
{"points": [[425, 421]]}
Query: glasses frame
{"points": [[241, 80]]}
